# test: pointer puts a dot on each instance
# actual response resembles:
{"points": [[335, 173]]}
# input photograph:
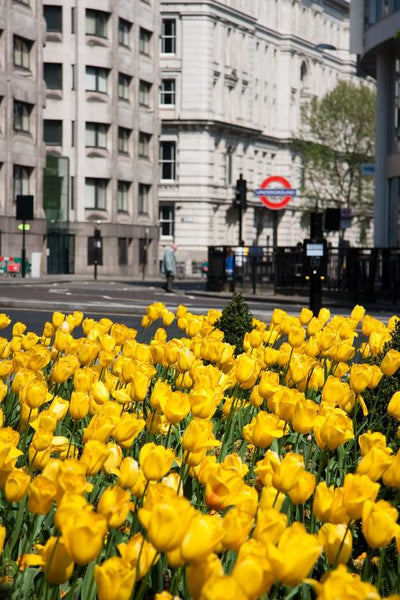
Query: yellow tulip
{"points": [[299, 551], [222, 587], [393, 408], [84, 535], [390, 362], [202, 537], [287, 471], [237, 525], [42, 493], [375, 462], [139, 553], [155, 461], [16, 485], [332, 428], [379, 523], [342, 585], [58, 565], [303, 488], [246, 370], [253, 569], [270, 525], [167, 522], [3, 533], [264, 429], [199, 573], [360, 377], [357, 489], [114, 506], [93, 456], [337, 542], [127, 429]]}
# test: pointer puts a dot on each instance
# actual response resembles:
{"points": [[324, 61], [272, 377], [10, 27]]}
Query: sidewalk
{"points": [[198, 287]]}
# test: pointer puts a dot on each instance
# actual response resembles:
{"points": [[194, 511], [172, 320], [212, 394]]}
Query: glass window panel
{"points": [[167, 93], [168, 36], [52, 132], [52, 74], [53, 18], [95, 193]]}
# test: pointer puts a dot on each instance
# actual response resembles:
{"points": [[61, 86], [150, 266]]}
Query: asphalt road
{"points": [[34, 301]]}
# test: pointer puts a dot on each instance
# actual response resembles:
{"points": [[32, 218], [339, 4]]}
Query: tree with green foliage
{"points": [[337, 136], [235, 320]]}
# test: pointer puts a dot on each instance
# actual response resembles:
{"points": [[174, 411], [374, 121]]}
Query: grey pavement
{"points": [[189, 287]]}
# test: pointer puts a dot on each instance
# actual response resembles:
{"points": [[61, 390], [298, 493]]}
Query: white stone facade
{"points": [[241, 71], [102, 74], [21, 104]]}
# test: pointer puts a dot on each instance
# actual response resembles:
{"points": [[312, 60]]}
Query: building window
{"points": [[52, 74], [22, 112], [96, 79], [144, 93], [168, 36], [143, 198], [124, 82], [96, 23], [52, 132], [123, 140], [144, 144], [22, 49], [124, 30], [96, 135], [122, 251], [167, 92], [21, 177], [167, 160], [96, 192], [122, 195], [53, 18], [167, 220], [144, 41]]}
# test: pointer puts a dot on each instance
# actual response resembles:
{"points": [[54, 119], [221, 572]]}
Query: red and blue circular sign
{"points": [[276, 197]]}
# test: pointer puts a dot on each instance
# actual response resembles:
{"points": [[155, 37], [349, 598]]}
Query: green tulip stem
{"points": [[228, 427], [323, 460], [380, 568], [342, 544], [182, 474], [143, 585], [168, 435], [18, 524], [71, 437], [254, 457]]}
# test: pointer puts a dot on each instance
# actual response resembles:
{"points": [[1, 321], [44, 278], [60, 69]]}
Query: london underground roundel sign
{"points": [[275, 197]]}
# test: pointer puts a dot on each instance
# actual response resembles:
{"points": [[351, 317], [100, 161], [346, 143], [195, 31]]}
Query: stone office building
{"points": [[101, 132], [234, 75], [22, 154]]}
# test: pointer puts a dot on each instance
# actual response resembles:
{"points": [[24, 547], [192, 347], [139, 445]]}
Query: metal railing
{"points": [[360, 273]]}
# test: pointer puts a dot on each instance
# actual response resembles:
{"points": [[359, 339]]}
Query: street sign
{"points": [[24, 226], [277, 197], [368, 169]]}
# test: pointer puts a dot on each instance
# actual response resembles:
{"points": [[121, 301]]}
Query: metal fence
{"points": [[360, 273]]}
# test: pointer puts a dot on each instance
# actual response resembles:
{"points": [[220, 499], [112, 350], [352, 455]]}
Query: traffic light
{"points": [[241, 192]]}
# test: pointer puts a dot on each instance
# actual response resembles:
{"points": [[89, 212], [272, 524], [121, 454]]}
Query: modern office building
{"points": [[234, 76], [22, 154], [101, 130], [376, 39]]}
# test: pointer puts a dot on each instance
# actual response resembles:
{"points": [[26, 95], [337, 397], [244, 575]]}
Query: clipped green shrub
{"points": [[235, 321]]}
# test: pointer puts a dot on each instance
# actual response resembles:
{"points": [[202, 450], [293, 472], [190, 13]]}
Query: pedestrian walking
{"points": [[169, 267]]}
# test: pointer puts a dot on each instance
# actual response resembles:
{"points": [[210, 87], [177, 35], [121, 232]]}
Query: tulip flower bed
{"points": [[177, 469]]}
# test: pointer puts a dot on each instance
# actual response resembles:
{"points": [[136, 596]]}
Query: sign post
{"points": [[275, 198], [24, 213]]}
